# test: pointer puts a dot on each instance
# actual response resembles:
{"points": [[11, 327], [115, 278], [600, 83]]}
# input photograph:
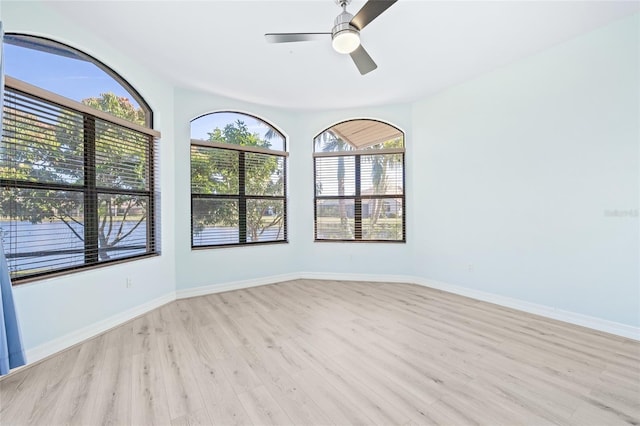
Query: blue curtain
{"points": [[11, 350]]}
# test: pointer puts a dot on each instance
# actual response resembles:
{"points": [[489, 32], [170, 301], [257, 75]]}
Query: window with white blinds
{"points": [[77, 185], [359, 183], [77, 163], [238, 182]]}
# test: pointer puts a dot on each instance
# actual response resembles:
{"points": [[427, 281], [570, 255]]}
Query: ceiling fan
{"points": [[345, 35]]}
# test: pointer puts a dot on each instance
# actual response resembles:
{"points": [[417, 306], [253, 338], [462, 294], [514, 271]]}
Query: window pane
{"points": [[382, 174], [237, 129], [214, 222], [335, 176], [335, 219], [121, 157], [328, 142], [45, 144], [359, 134], [265, 220], [122, 226], [70, 73], [41, 142], [214, 171], [41, 230], [382, 219], [265, 174]]}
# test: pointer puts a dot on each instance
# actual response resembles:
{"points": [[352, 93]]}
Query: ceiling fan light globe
{"points": [[345, 41]]}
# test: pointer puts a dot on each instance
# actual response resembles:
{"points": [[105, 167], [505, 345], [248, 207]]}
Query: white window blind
{"points": [[77, 189], [238, 196]]}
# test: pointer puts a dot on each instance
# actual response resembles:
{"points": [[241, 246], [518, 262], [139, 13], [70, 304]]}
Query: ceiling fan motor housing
{"points": [[345, 37], [342, 23]]}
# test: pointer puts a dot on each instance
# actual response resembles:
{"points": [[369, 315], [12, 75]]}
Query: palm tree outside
{"points": [[330, 143]]}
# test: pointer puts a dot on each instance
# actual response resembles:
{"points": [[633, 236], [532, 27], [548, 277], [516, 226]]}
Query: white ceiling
{"points": [[421, 47]]}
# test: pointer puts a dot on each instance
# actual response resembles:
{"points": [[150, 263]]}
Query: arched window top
{"points": [[236, 128], [68, 72], [359, 134], [359, 182]]}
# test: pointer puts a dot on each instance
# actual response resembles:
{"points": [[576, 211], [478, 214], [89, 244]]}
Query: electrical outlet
{"points": [[470, 267], [129, 282]]}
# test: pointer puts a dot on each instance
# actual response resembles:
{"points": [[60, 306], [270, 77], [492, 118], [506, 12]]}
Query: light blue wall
{"points": [[352, 258], [197, 268], [511, 173], [52, 308], [519, 169], [202, 267]]}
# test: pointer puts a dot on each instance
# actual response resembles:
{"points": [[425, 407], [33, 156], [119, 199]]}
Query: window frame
{"points": [[90, 189], [358, 197], [242, 197]]}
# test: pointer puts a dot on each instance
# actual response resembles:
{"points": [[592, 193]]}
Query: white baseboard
{"points": [[68, 340], [234, 285], [337, 276], [73, 338], [594, 323], [274, 279]]}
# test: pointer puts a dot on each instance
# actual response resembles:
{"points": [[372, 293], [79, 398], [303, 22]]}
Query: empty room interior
{"points": [[320, 212]]}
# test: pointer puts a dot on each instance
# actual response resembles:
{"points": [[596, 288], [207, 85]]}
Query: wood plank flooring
{"points": [[311, 352]]}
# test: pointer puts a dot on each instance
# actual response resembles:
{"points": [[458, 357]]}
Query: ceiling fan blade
{"points": [[362, 60], [370, 11], [293, 37]]}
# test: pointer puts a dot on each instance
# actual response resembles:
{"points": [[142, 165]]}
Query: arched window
{"points": [[68, 72], [238, 181], [76, 162], [359, 182]]}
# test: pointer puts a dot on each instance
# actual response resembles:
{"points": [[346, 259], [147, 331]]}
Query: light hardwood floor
{"points": [[327, 352]]}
